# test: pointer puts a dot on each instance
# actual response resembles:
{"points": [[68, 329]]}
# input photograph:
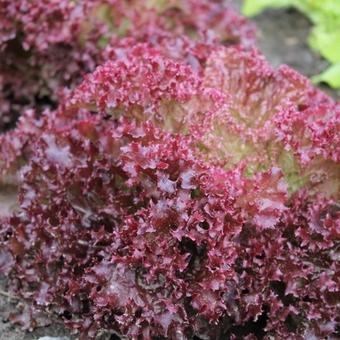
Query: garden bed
{"points": [[282, 38]]}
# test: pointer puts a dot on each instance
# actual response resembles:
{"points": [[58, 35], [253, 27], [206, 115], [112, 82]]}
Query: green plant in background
{"points": [[325, 35]]}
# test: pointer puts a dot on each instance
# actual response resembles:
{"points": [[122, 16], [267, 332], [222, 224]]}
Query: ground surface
{"points": [[10, 332], [282, 37]]}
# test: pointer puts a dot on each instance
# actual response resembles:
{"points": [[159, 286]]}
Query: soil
{"points": [[8, 305], [281, 36]]}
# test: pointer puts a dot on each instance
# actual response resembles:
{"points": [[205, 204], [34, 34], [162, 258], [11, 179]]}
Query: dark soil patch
{"points": [[8, 331], [282, 36]]}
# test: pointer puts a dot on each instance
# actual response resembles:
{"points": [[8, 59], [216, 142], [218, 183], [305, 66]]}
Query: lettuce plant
{"points": [[48, 45], [183, 190]]}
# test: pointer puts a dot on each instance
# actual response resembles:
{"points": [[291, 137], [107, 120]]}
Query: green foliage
{"points": [[254, 7], [325, 35], [331, 76]]}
